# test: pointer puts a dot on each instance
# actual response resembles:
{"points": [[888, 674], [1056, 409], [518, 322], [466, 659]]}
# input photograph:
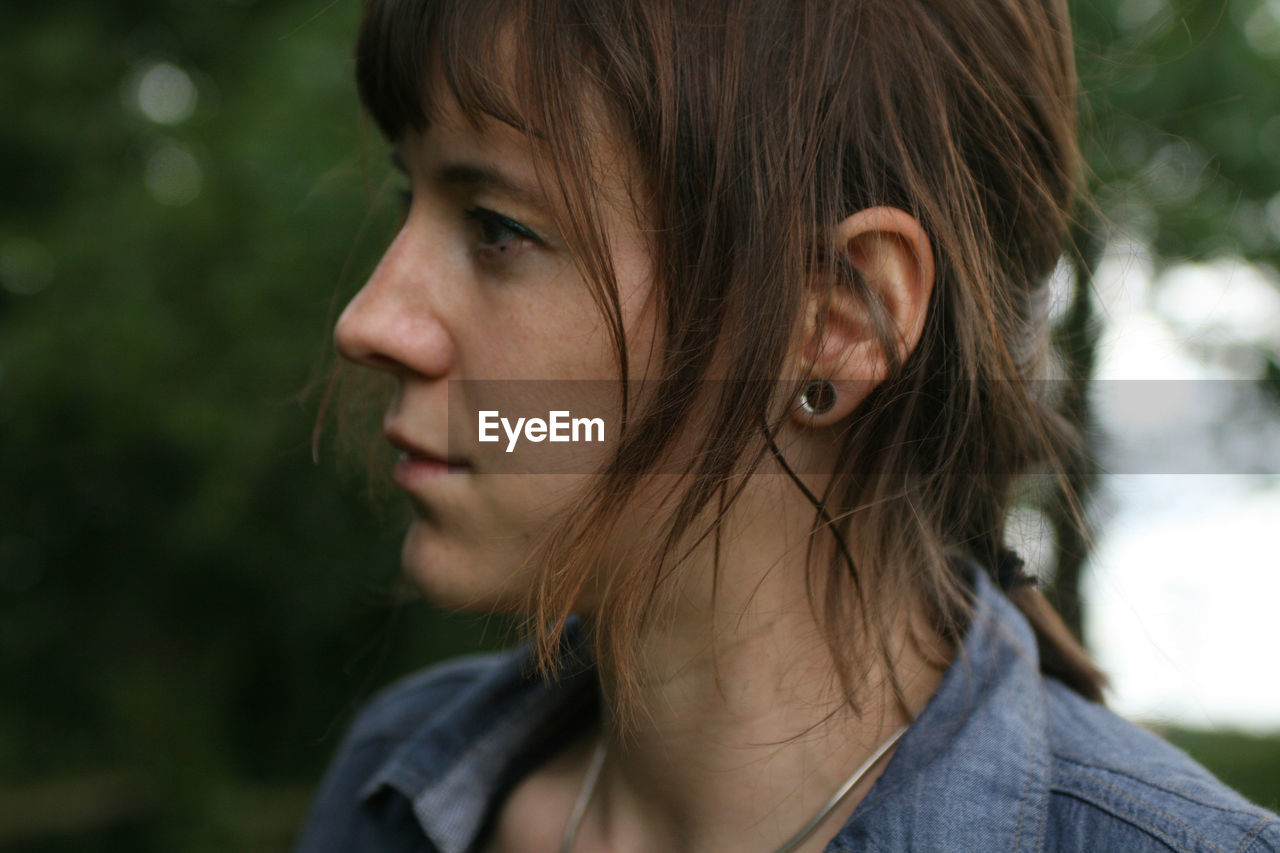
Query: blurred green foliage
{"points": [[1181, 120], [190, 608], [1248, 763]]}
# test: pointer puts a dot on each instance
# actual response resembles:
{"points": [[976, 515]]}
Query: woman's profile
{"points": [[804, 247]]}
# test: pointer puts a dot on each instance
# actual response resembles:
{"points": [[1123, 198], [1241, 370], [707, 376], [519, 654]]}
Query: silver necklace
{"points": [[597, 761]]}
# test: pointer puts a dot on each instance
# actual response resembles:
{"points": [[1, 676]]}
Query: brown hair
{"points": [[756, 125]]}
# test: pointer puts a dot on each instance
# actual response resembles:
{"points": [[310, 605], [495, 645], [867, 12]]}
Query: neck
{"points": [[745, 732]]}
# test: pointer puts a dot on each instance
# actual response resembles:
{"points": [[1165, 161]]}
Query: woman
{"points": [[803, 246]]}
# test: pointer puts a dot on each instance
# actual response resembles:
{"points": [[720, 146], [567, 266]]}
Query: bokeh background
{"points": [[191, 606]]}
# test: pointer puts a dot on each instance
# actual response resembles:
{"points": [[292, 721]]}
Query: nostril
{"points": [[389, 326], [346, 343], [360, 350], [355, 346], [380, 362], [373, 339], [352, 335]]}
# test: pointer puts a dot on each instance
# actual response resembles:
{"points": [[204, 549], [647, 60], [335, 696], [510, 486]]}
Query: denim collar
{"points": [[972, 772], [453, 768]]}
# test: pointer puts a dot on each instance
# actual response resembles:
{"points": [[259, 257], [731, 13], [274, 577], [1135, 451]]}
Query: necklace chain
{"points": [[597, 761]]}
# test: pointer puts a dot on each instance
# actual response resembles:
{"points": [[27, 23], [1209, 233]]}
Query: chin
{"points": [[458, 576]]}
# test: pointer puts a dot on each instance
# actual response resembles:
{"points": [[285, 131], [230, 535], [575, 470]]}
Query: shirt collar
{"points": [[452, 768], [971, 772]]}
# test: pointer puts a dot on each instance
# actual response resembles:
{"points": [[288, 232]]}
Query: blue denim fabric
{"points": [[1001, 758]]}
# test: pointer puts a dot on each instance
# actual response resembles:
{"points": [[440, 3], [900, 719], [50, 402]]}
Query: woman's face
{"points": [[476, 303]]}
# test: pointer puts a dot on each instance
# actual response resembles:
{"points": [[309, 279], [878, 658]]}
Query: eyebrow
{"points": [[472, 176]]}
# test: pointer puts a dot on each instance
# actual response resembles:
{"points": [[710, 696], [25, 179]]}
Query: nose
{"points": [[394, 322]]}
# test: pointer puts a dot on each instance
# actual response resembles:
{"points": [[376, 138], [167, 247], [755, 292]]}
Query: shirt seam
{"points": [[1026, 784], [1137, 819], [1087, 800], [1146, 782], [1254, 832], [1044, 810]]}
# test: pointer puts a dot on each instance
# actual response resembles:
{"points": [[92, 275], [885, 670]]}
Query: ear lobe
{"points": [[890, 250]]}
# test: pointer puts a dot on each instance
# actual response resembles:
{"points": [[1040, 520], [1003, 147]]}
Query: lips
{"points": [[416, 453]]}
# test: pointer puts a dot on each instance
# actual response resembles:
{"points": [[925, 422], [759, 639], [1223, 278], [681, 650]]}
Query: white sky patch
{"points": [[1182, 596], [1183, 589], [1225, 301]]}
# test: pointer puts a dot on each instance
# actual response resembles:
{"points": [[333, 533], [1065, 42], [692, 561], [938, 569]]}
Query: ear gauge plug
{"points": [[818, 396]]}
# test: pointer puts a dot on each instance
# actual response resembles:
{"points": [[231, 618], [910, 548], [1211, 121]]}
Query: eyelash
{"points": [[487, 221], [490, 223]]}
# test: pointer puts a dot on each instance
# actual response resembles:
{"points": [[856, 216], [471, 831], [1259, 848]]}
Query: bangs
{"points": [[406, 49]]}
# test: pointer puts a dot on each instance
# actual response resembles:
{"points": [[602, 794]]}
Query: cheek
{"points": [[554, 351], [544, 330], [640, 311], [556, 331]]}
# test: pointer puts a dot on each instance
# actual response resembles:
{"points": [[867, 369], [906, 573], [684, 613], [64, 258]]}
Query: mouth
{"points": [[417, 463]]}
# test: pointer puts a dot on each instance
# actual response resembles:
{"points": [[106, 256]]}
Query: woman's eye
{"points": [[498, 234]]}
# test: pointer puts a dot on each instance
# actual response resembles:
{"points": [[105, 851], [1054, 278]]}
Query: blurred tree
{"points": [[1181, 106], [186, 600]]}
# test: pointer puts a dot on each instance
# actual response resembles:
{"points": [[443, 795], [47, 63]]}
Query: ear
{"points": [[891, 251]]}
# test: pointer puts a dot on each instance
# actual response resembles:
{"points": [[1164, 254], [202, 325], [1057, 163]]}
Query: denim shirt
{"points": [[1001, 758]]}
